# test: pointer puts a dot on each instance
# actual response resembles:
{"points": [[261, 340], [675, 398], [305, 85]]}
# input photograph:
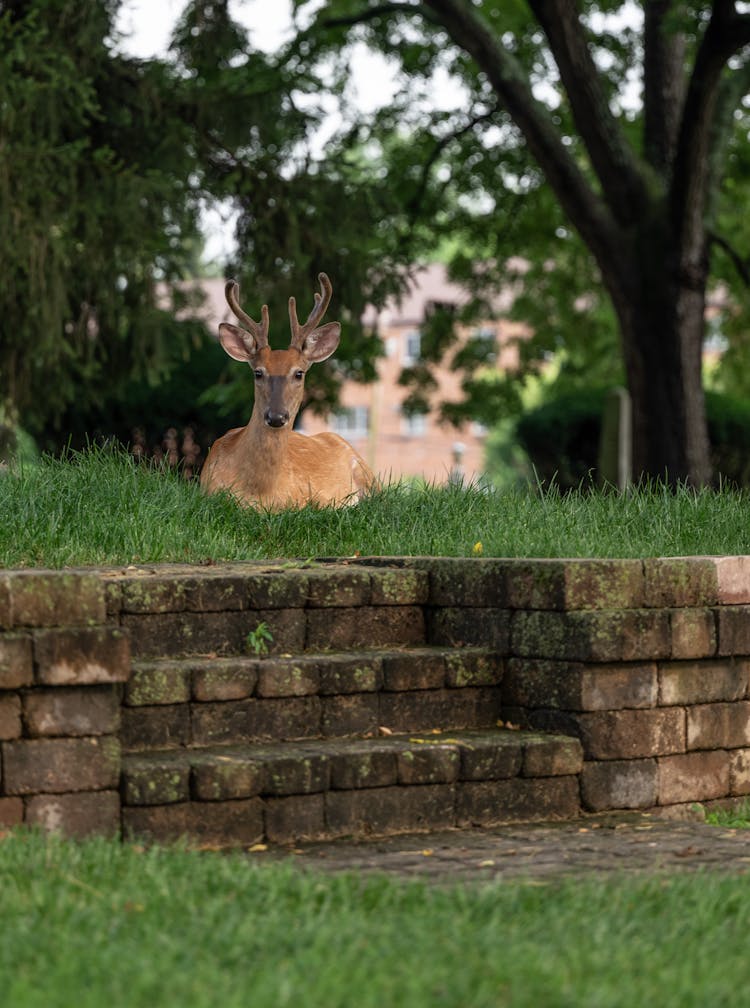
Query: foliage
{"points": [[259, 639]]}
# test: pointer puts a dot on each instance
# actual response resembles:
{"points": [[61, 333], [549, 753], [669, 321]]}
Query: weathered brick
{"points": [[226, 776], [224, 678], [57, 765], [217, 593], [432, 763], [6, 615], [81, 656], [10, 716], [71, 710], [718, 725], [693, 633], [467, 581], [630, 734], [575, 686], [297, 817], [156, 780], [374, 626], [16, 665], [599, 636], [358, 673], [693, 776], [155, 727], [482, 803], [214, 824], [551, 756], [299, 772], [278, 589], [575, 584], [287, 628], [733, 579], [11, 812], [399, 587], [363, 768], [472, 707], [287, 677], [469, 667], [679, 581], [619, 784], [381, 811], [418, 669], [739, 772], [162, 682], [492, 758], [155, 594], [55, 598], [76, 815], [338, 587], [350, 714], [171, 635], [734, 630], [456, 627], [256, 720], [703, 681], [112, 596]]}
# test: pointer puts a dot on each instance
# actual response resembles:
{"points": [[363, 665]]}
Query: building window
{"points": [[414, 425], [351, 422], [412, 347]]}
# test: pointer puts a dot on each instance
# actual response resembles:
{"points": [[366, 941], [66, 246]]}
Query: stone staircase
{"points": [[368, 736]]}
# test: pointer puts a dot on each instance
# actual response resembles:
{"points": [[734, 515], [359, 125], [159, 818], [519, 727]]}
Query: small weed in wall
{"points": [[257, 640]]}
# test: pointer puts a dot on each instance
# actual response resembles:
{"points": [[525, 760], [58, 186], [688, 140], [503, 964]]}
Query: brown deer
{"points": [[267, 464]]}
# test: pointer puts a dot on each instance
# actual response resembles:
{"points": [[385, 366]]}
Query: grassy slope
{"points": [[102, 924], [100, 508]]}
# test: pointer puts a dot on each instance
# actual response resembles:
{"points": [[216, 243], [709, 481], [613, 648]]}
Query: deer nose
{"points": [[275, 419]]}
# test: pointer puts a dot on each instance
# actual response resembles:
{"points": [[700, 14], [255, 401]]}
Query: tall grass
{"points": [[99, 924], [100, 507]]}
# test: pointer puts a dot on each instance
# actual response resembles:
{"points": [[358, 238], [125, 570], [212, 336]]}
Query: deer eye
{"points": [[258, 374], [299, 375]]}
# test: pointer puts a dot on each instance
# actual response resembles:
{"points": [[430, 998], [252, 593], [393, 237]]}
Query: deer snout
{"points": [[273, 419]]}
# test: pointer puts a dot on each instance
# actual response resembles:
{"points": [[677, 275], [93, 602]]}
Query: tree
{"points": [[642, 188]]}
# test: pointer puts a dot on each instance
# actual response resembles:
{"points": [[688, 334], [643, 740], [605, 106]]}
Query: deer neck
{"points": [[265, 450]]}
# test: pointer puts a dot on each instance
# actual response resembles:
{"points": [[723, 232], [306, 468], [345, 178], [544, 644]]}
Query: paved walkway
{"points": [[534, 852]]}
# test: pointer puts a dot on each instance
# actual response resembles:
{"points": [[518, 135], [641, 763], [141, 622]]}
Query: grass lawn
{"points": [[102, 924], [100, 508]]}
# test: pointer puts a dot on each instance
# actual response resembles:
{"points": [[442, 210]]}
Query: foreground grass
{"points": [[103, 924], [99, 507]]}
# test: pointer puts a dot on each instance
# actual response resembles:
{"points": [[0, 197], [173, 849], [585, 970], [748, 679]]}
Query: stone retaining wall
{"points": [[647, 663]]}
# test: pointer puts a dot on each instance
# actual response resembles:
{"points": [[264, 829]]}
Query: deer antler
{"points": [[322, 300], [258, 330]]}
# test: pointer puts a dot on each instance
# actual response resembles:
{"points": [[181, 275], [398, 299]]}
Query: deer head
{"points": [[280, 374]]}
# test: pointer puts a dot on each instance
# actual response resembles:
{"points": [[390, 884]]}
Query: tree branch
{"points": [[371, 13], [741, 265], [663, 85], [613, 160]]}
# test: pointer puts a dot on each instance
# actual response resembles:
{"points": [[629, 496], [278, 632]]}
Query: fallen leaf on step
{"points": [[257, 847], [385, 731]]}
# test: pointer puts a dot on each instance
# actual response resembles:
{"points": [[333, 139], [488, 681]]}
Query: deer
{"points": [[266, 464]]}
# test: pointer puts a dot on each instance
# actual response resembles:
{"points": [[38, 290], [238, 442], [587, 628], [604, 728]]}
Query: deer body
{"points": [[266, 464]]}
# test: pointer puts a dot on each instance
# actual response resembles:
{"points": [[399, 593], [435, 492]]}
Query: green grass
{"points": [[102, 924], [737, 817], [99, 507]]}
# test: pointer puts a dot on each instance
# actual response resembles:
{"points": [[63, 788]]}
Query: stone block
{"points": [[224, 678], [287, 677], [739, 772], [218, 593], [575, 584], [11, 812], [380, 811], [350, 714], [693, 777], [40, 766], [172, 635], [154, 683], [10, 716], [299, 772], [338, 587], [734, 630], [16, 664], [76, 815], [718, 725], [551, 756], [471, 627], [431, 763], [632, 734], [209, 824], [619, 784], [72, 710], [576, 686], [151, 594], [358, 673], [81, 656], [402, 587], [695, 682], [467, 581], [492, 757], [693, 633], [418, 669], [278, 589], [161, 727], [53, 598], [256, 721], [679, 582], [472, 707], [374, 626], [363, 768], [733, 579], [296, 817], [470, 667], [156, 780], [593, 636], [483, 803], [224, 777]]}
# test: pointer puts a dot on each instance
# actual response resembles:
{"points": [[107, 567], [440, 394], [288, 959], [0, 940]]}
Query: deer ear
{"points": [[321, 343], [238, 343]]}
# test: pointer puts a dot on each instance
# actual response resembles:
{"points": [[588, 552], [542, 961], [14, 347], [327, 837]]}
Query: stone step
{"points": [[225, 700], [327, 788]]}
